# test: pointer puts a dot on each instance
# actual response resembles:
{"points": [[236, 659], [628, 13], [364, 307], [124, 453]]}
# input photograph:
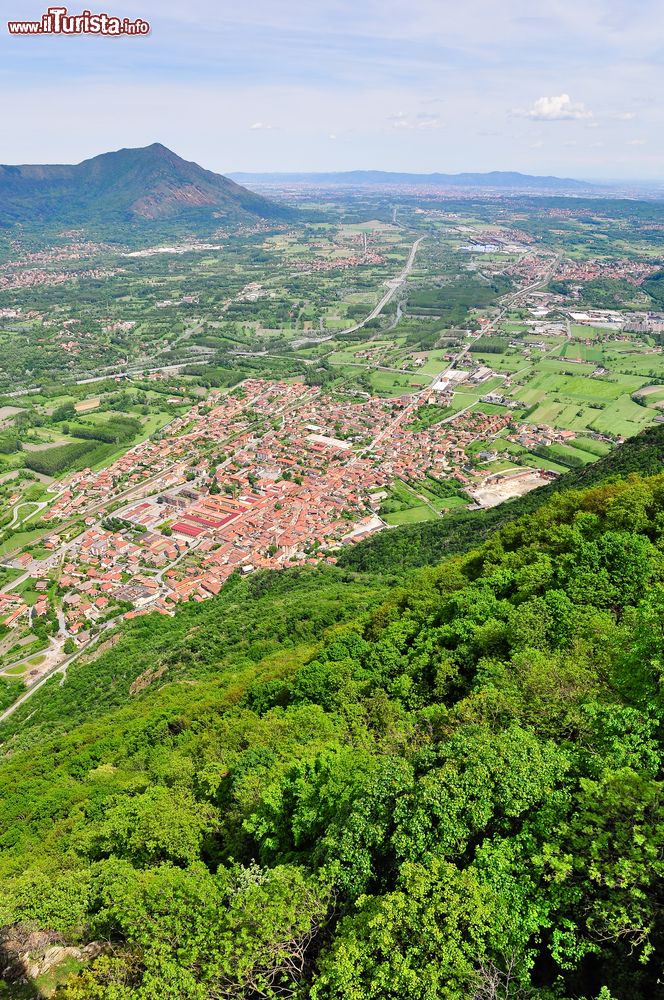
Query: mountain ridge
{"points": [[494, 179], [141, 184]]}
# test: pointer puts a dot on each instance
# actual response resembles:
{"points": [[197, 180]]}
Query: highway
{"points": [[416, 397], [393, 285], [407, 412]]}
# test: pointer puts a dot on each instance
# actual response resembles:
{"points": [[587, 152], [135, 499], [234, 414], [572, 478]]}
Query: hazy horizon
{"points": [[267, 172]]}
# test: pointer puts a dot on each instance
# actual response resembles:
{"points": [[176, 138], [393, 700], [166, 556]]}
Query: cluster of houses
{"points": [[314, 265], [270, 474], [592, 269], [32, 277], [14, 610]]}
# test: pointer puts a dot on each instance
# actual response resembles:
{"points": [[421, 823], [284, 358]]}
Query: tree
{"points": [[157, 825], [423, 940]]}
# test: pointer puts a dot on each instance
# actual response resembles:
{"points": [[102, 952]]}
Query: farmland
{"points": [[345, 373]]}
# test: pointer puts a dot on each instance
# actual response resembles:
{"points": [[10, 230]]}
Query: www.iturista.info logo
{"points": [[58, 21]]}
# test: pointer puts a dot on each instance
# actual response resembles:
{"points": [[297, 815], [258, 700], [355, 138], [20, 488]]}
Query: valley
{"points": [[179, 411], [332, 502]]}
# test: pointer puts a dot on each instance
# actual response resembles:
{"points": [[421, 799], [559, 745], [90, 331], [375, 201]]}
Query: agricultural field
{"points": [[108, 343]]}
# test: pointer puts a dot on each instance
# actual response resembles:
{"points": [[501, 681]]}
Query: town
{"points": [[274, 395], [271, 474]]}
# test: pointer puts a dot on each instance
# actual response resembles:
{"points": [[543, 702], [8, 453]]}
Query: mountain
{"points": [[147, 184], [494, 180], [330, 785]]}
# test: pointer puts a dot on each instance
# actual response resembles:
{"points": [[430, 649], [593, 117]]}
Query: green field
{"points": [[20, 539], [624, 417], [537, 462], [410, 516], [17, 670], [391, 384], [582, 352], [596, 448], [582, 332], [7, 575], [563, 451], [575, 402]]}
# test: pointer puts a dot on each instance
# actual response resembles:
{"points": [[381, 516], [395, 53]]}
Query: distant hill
{"points": [[146, 184], [495, 179]]}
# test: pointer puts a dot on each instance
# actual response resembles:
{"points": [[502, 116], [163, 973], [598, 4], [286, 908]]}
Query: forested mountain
{"points": [[334, 785], [144, 184]]}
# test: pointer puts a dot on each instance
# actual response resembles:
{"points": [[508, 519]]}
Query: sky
{"points": [[566, 87]]}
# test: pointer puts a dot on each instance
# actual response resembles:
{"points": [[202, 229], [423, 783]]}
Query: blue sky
{"points": [[574, 89]]}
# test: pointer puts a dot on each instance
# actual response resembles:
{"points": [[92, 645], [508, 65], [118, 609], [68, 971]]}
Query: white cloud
{"points": [[636, 142], [624, 116], [175, 113], [402, 120], [260, 125], [557, 108], [428, 121], [399, 120]]}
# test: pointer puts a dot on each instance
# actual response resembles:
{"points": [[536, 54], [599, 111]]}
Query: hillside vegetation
{"points": [[149, 183], [326, 785], [428, 542]]}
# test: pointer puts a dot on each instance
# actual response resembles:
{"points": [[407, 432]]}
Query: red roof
{"points": [[209, 522], [187, 529]]}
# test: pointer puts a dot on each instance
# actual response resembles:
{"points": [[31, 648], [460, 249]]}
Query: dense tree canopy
{"points": [[330, 786]]}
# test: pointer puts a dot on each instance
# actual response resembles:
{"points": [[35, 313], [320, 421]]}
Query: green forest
{"points": [[453, 301], [432, 772]]}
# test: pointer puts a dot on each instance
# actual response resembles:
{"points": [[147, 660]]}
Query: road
{"points": [[513, 297], [61, 668], [416, 397], [132, 372], [28, 503], [393, 285]]}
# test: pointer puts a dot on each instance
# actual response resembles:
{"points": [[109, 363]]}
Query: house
{"points": [[15, 615]]}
